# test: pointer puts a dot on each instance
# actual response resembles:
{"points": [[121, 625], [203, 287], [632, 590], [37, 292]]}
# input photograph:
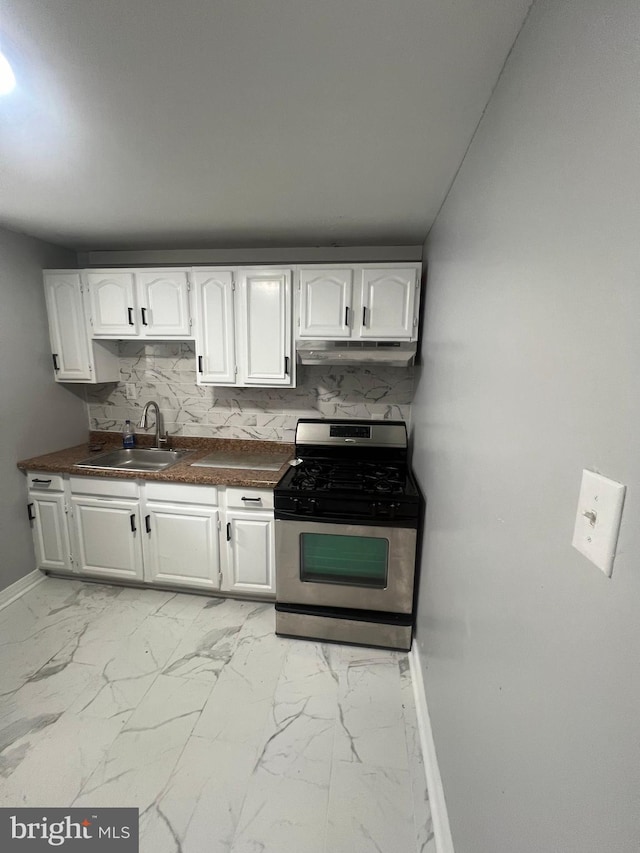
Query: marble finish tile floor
{"points": [[227, 738]]}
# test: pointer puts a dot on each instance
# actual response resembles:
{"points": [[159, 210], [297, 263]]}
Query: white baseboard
{"points": [[441, 830], [22, 585]]}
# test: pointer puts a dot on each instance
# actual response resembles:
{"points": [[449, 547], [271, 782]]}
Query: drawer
{"points": [[250, 498], [182, 493], [45, 482], [100, 486]]}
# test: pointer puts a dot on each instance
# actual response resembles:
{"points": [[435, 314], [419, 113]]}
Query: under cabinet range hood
{"points": [[388, 353]]}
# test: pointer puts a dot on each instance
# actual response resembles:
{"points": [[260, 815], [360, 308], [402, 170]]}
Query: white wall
{"points": [[36, 415], [531, 366]]}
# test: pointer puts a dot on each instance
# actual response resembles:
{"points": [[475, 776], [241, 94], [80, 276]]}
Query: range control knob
{"points": [[307, 506], [388, 510]]}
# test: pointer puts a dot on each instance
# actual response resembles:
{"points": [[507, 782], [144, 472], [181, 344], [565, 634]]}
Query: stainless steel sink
{"points": [[137, 459]]}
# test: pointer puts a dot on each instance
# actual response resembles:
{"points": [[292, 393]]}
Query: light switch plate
{"points": [[598, 519], [130, 391]]}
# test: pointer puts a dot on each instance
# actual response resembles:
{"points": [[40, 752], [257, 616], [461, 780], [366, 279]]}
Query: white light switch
{"points": [[598, 520], [130, 391]]}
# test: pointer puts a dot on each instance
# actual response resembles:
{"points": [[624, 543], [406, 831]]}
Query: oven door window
{"points": [[351, 560]]}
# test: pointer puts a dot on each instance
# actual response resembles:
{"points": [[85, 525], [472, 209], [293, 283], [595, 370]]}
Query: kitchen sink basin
{"points": [[146, 459]]}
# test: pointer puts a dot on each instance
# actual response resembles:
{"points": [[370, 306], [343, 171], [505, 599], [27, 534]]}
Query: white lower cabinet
{"points": [[48, 516], [107, 532], [152, 532], [250, 552], [181, 545]]}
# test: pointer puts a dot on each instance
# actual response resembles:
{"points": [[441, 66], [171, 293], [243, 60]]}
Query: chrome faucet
{"points": [[160, 440]]}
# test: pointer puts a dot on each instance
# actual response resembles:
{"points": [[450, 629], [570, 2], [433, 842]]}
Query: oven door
{"points": [[345, 565]]}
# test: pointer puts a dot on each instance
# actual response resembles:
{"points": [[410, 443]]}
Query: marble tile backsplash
{"points": [[166, 373]]}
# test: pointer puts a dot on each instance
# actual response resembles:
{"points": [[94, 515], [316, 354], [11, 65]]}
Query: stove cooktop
{"points": [[366, 478]]}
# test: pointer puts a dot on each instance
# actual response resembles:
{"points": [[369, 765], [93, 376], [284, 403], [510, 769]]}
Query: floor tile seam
{"points": [[238, 822], [285, 776], [167, 784], [173, 648], [39, 631], [130, 770], [186, 624], [87, 777], [372, 765], [410, 719], [377, 769], [331, 776], [196, 711], [419, 790], [197, 677]]}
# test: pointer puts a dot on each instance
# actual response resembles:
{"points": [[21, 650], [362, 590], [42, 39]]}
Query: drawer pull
{"points": [[253, 500], [42, 482]]}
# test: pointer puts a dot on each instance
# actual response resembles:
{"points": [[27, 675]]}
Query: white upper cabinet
{"points": [[112, 303], [75, 357], [358, 303], [388, 299], [67, 327], [263, 323], [242, 317], [215, 333], [164, 304], [325, 303], [139, 304]]}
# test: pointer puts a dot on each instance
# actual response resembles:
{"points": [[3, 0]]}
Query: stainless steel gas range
{"points": [[347, 518]]}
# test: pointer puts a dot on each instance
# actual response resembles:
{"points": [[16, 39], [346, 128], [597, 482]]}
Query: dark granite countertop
{"points": [[63, 461]]}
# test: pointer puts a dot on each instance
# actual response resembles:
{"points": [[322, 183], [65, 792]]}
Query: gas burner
{"points": [[305, 483], [385, 486]]}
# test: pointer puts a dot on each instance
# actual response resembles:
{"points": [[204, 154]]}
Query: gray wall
{"points": [[531, 360], [36, 415]]}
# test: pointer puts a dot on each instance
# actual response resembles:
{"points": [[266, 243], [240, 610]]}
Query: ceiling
{"points": [[227, 123]]}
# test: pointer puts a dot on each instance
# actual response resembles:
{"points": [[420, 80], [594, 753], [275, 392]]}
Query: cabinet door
{"points": [[108, 537], [182, 545], [250, 553], [50, 533], [113, 304], [325, 303], [215, 334], [388, 298], [163, 298], [67, 327], [265, 325]]}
